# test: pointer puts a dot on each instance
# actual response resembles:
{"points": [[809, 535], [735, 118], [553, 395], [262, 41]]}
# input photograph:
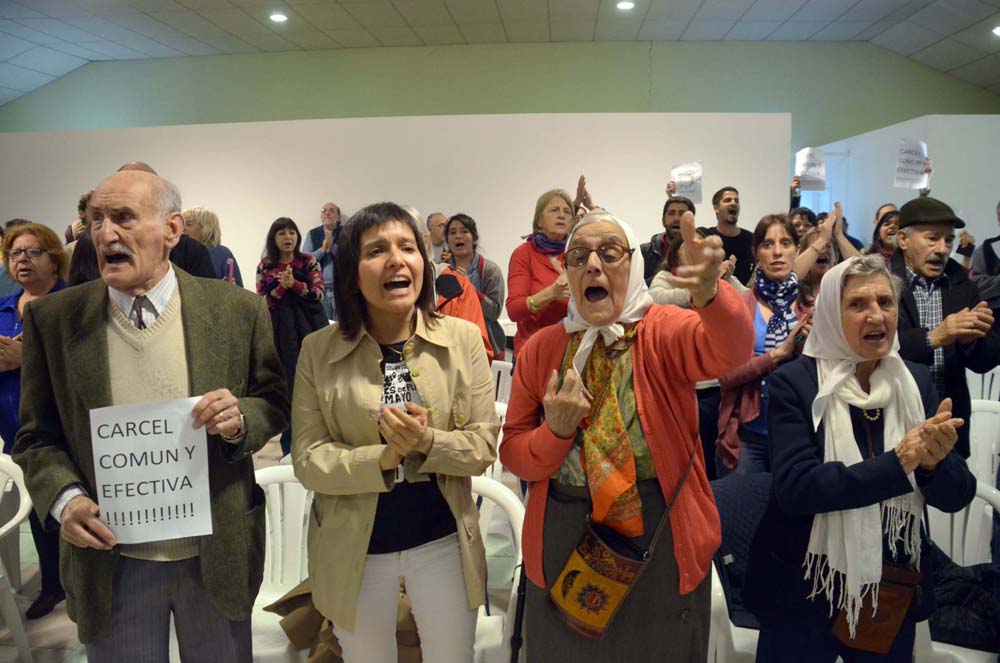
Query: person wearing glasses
{"points": [[35, 258], [321, 243], [602, 423]]}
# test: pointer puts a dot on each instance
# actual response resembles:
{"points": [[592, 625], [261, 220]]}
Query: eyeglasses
{"points": [[608, 253], [34, 253]]}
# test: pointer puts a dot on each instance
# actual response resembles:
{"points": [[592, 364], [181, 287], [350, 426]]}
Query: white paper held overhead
{"points": [[810, 168], [687, 177], [911, 154]]}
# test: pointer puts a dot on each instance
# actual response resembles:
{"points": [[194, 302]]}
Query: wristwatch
{"points": [[240, 432]]}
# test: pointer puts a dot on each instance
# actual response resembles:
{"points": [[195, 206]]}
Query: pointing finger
{"points": [[687, 228]]}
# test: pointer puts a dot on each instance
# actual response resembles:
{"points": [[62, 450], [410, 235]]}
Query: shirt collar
{"points": [[434, 333], [158, 296], [912, 279]]}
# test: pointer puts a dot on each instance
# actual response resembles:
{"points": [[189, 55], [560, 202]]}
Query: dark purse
{"points": [[876, 632]]}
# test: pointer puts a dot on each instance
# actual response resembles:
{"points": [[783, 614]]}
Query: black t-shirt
{"points": [[411, 514], [738, 246]]}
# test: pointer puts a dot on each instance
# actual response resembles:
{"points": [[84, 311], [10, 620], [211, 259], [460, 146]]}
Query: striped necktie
{"points": [[137, 309]]}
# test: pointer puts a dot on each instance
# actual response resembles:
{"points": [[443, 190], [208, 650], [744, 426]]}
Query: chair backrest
{"points": [[965, 536], [984, 386], [984, 440], [288, 505], [9, 470], [502, 379]]}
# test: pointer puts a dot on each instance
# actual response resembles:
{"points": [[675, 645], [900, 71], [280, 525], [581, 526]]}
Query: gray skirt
{"points": [[655, 623]]}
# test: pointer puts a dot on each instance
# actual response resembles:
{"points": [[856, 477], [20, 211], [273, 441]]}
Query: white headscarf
{"points": [[845, 547], [637, 299]]}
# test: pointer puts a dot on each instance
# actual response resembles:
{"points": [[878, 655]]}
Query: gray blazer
{"points": [[65, 374]]}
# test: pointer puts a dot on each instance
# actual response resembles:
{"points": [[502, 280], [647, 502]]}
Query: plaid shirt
{"points": [[927, 295]]}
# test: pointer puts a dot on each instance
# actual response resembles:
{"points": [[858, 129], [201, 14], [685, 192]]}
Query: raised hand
{"points": [[566, 406], [671, 189], [703, 264], [582, 195]]}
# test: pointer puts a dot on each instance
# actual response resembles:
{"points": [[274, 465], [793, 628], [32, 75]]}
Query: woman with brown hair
{"points": [[392, 414]]}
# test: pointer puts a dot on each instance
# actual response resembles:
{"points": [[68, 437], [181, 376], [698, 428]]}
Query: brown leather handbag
{"points": [[876, 632]]}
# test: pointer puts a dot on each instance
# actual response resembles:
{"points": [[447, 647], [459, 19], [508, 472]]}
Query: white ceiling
{"points": [[41, 40]]}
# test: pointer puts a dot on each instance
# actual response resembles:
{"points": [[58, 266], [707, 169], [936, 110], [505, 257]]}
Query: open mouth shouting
{"points": [[116, 254], [397, 285], [595, 293]]}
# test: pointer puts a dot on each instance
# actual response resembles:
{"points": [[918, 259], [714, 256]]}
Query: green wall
{"points": [[833, 90]]}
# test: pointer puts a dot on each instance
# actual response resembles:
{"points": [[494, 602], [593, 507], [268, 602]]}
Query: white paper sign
{"points": [[810, 168], [151, 469], [910, 157], [687, 176]]}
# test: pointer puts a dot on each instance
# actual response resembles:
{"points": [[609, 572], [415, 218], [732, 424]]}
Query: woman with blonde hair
{"points": [[202, 224], [537, 289]]}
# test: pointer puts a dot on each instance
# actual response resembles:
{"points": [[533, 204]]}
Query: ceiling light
{"points": [[626, 5], [278, 17], [996, 31]]}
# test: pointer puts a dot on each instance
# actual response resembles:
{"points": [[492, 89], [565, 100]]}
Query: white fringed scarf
{"points": [[844, 555], [637, 299]]}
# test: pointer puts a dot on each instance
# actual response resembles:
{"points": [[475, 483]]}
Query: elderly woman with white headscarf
{"points": [[859, 443], [603, 423]]}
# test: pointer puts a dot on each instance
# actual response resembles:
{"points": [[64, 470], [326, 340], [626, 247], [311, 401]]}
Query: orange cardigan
{"points": [[674, 348], [529, 271], [467, 307]]}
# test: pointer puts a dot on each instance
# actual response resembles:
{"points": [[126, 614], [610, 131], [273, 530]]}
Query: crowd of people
{"points": [[644, 374]]}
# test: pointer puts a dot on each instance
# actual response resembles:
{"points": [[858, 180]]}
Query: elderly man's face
{"points": [[330, 215], [132, 241], [926, 248], [435, 226], [869, 315], [599, 288]]}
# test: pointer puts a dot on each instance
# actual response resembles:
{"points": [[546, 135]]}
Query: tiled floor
{"points": [[53, 637]]}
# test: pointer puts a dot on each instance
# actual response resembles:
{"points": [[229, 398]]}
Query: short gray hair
{"points": [[427, 222], [166, 197], [870, 266]]}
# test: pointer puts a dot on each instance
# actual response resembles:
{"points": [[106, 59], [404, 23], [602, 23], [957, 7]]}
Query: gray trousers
{"points": [[143, 597]]}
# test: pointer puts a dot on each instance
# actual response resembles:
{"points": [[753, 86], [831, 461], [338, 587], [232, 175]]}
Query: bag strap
{"points": [[670, 504]]}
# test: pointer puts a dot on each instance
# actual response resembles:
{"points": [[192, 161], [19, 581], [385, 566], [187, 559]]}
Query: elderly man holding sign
{"points": [[603, 422], [149, 332]]}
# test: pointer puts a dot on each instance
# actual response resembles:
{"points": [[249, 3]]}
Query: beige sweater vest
{"points": [[150, 365]]}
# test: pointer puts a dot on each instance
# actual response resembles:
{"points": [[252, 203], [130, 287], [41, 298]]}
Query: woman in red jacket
{"points": [[603, 423], [537, 290]]}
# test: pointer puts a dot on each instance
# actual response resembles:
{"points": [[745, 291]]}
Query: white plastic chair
{"points": [[493, 632], [285, 560], [727, 643], [970, 544], [984, 440], [502, 379], [985, 386], [9, 470], [287, 511]]}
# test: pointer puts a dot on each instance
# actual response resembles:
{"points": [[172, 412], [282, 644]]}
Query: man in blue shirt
{"points": [[321, 242]]}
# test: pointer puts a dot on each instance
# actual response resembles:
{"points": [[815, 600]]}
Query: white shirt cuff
{"points": [[63, 499]]}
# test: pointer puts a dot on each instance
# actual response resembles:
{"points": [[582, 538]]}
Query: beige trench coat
{"points": [[336, 447]]}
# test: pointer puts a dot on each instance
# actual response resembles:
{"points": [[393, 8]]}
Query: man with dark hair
{"points": [[736, 241], [655, 250], [148, 332], [321, 243], [943, 321]]}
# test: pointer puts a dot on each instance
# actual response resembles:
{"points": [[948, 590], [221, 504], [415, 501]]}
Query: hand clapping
{"points": [[406, 431], [703, 257], [286, 278], [930, 442]]}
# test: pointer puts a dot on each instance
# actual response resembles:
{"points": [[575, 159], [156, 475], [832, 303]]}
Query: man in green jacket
{"points": [[147, 332]]}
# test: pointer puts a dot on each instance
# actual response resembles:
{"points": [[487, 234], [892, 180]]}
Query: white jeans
{"points": [[435, 587]]}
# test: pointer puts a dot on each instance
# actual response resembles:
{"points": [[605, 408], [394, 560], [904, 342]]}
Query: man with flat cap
{"points": [[943, 321], [148, 331]]}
